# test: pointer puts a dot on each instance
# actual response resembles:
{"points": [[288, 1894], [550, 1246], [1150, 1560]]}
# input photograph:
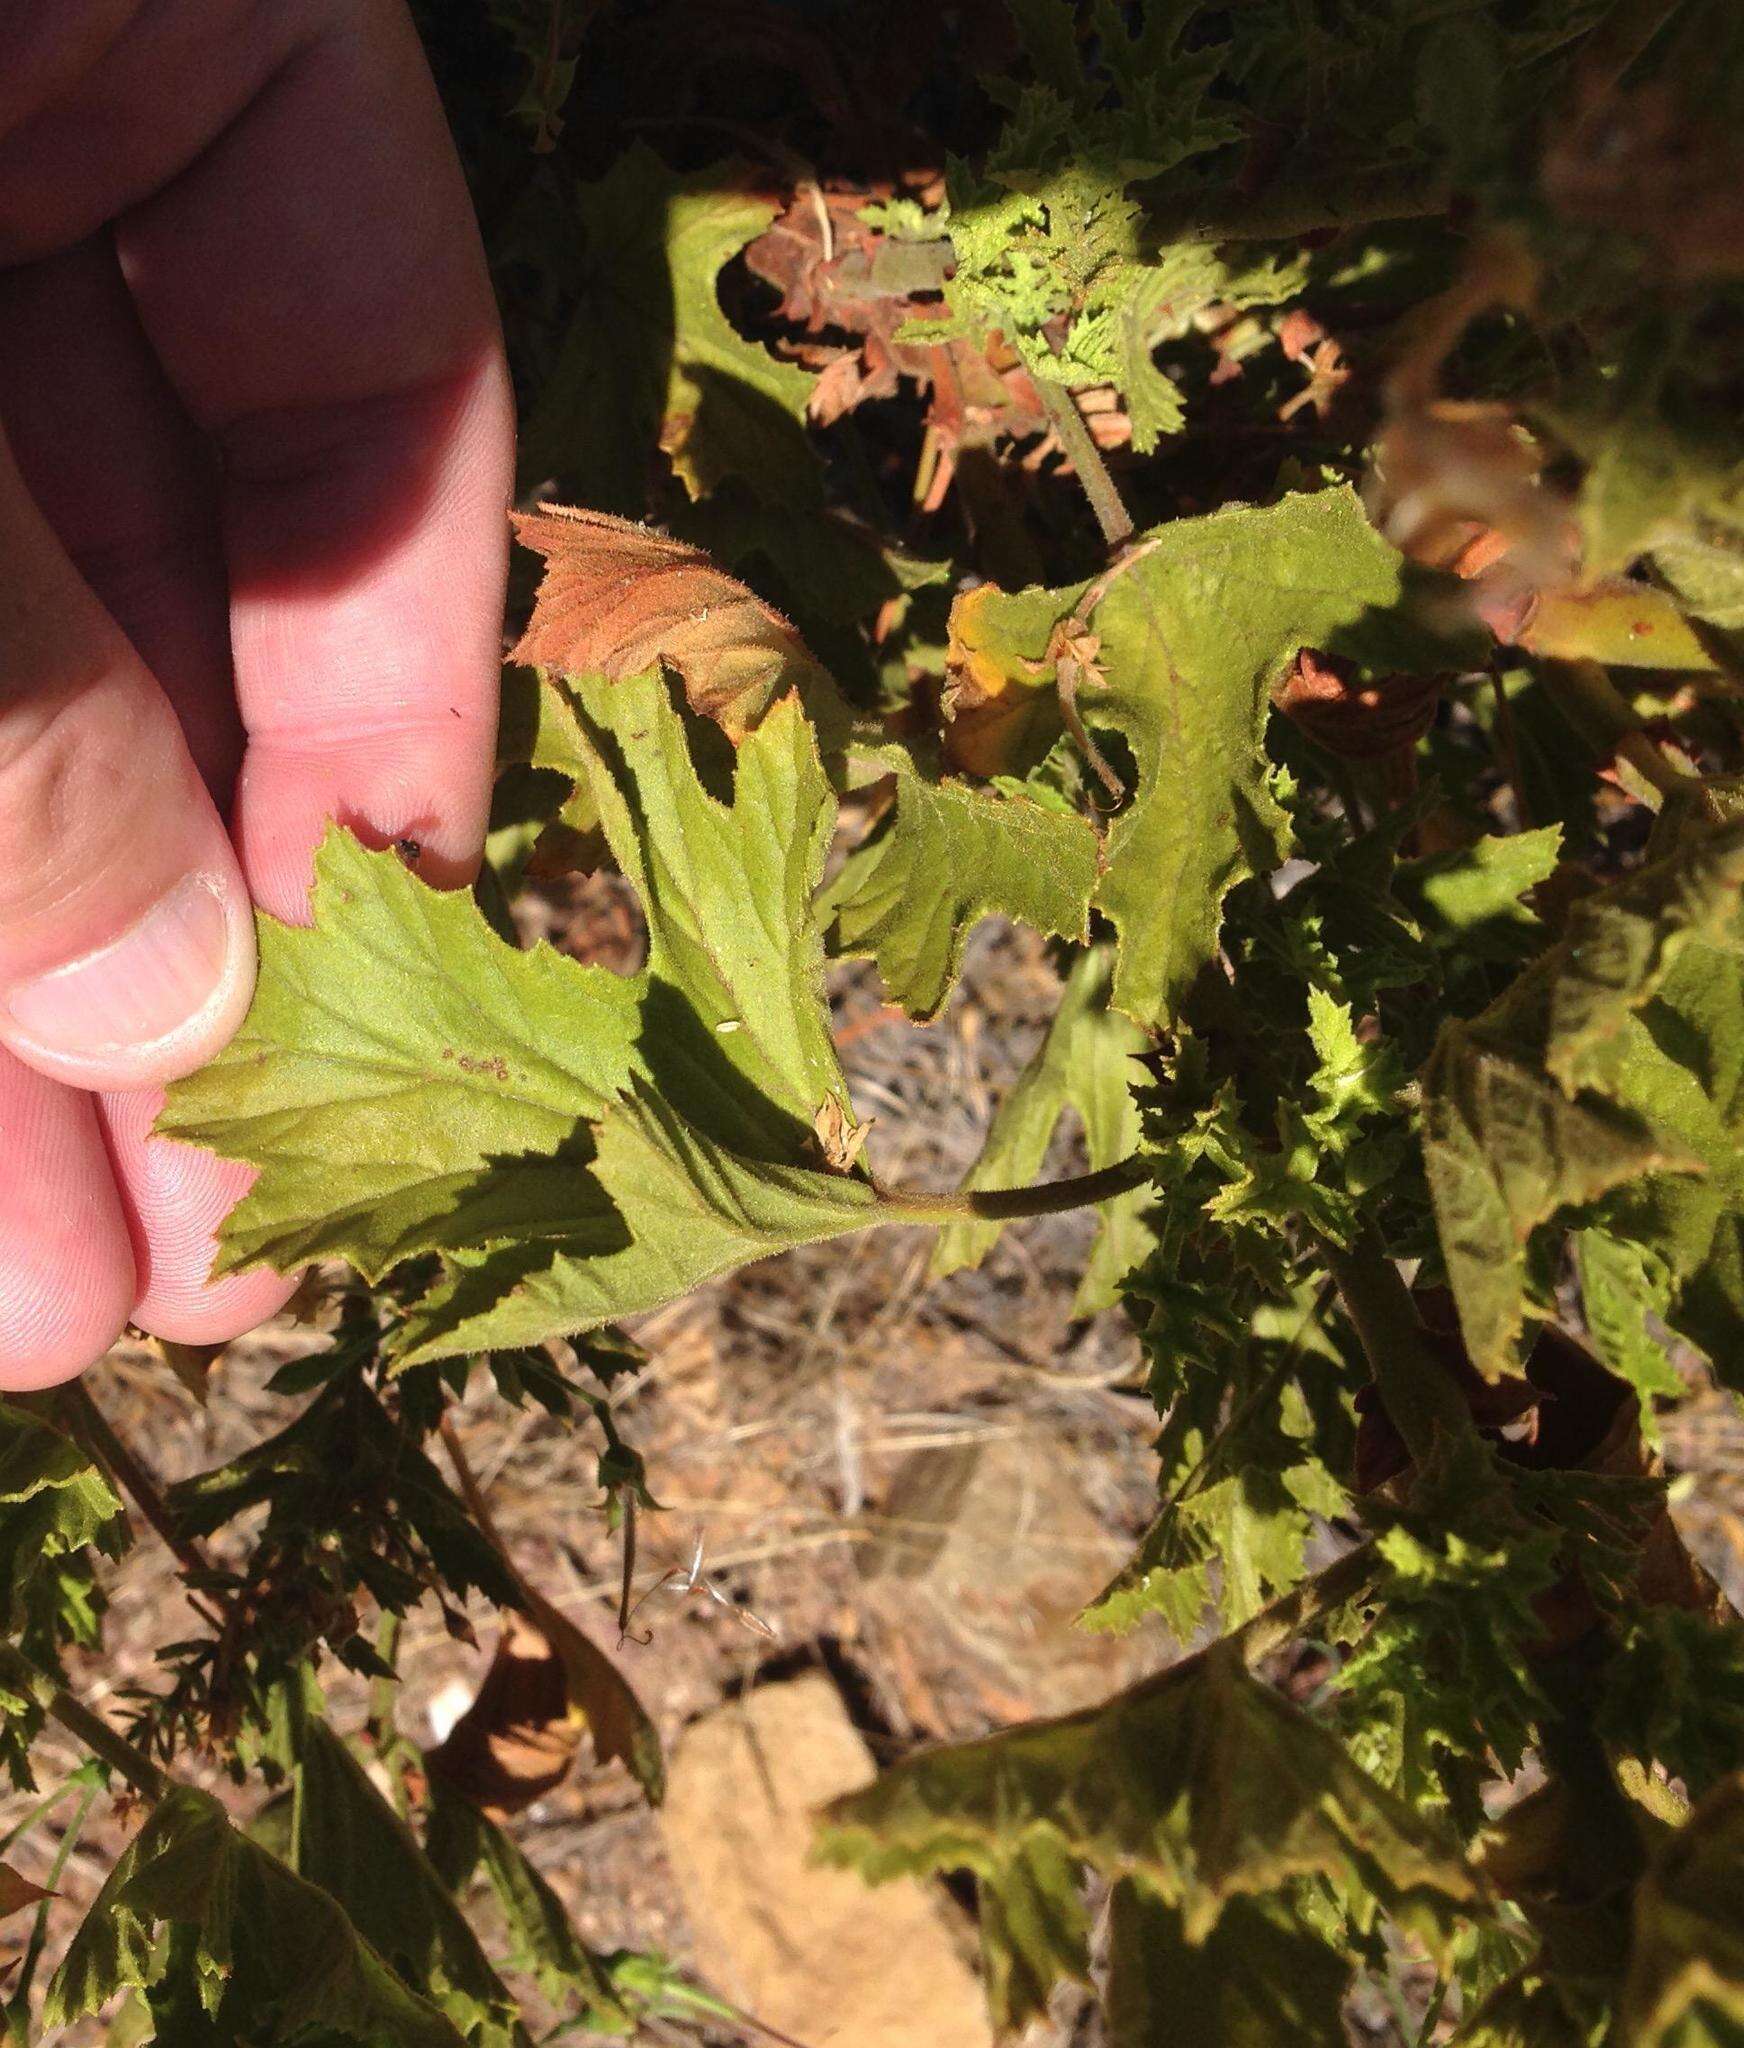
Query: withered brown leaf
{"points": [[547, 1686], [617, 597]]}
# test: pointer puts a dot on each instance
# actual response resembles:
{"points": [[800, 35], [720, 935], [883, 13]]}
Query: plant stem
{"points": [[1086, 460], [1421, 1399], [1597, 709], [1293, 1613], [91, 1430], [1003, 1205], [103, 1742]]}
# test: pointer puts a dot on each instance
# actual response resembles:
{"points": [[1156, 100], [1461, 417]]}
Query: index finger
{"points": [[315, 289]]}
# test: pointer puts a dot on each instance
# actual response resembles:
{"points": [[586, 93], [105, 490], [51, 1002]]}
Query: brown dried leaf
{"points": [[18, 1892], [548, 1684], [191, 1363], [617, 597]]}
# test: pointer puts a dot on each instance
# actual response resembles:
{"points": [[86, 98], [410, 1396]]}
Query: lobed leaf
{"points": [[1202, 1781], [260, 1953], [950, 854], [1195, 625]]}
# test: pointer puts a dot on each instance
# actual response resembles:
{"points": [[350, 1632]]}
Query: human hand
{"points": [[252, 550]]}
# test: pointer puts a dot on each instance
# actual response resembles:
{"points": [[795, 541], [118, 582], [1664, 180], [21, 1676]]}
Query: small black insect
{"points": [[409, 850]]}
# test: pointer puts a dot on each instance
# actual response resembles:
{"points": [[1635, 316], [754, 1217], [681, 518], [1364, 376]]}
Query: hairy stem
{"points": [[92, 1431], [103, 1743], [1086, 459], [1004, 1205], [1421, 1400]]}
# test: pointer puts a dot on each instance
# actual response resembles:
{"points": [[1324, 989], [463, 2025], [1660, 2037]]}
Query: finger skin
{"points": [[176, 1197], [351, 371], [106, 830], [296, 240], [66, 1270], [126, 481]]}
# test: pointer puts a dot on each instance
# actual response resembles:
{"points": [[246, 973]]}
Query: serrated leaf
{"points": [[1684, 1071], [407, 1082], [695, 1210], [1195, 625], [1474, 893], [1034, 1932], [1085, 1063], [1248, 1526], [1559, 1092], [1529, 2010], [398, 1058], [351, 1843], [1506, 1151], [53, 1502], [650, 359], [1203, 1782], [950, 854], [1621, 1284], [1258, 1979], [734, 1030], [267, 1956]]}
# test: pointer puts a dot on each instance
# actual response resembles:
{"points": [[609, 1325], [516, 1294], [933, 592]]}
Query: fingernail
{"points": [[158, 977]]}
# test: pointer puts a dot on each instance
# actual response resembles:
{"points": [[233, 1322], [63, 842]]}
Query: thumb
{"points": [[126, 939]]}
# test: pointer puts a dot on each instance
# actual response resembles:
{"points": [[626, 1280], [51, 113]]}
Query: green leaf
{"points": [[1247, 1527], [1621, 1284], [1257, 1980], [950, 854], [1456, 1621], [1471, 897], [1685, 1981], [1196, 624], [404, 1078], [1684, 1072], [53, 1502], [1203, 1782], [1529, 2010], [691, 1210], [351, 1843], [1562, 1090], [651, 359], [1084, 1064], [262, 1954], [460, 1843], [579, 1145], [734, 1030], [1035, 1933]]}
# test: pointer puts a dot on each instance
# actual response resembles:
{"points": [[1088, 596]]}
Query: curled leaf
{"points": [[616, 598]]}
